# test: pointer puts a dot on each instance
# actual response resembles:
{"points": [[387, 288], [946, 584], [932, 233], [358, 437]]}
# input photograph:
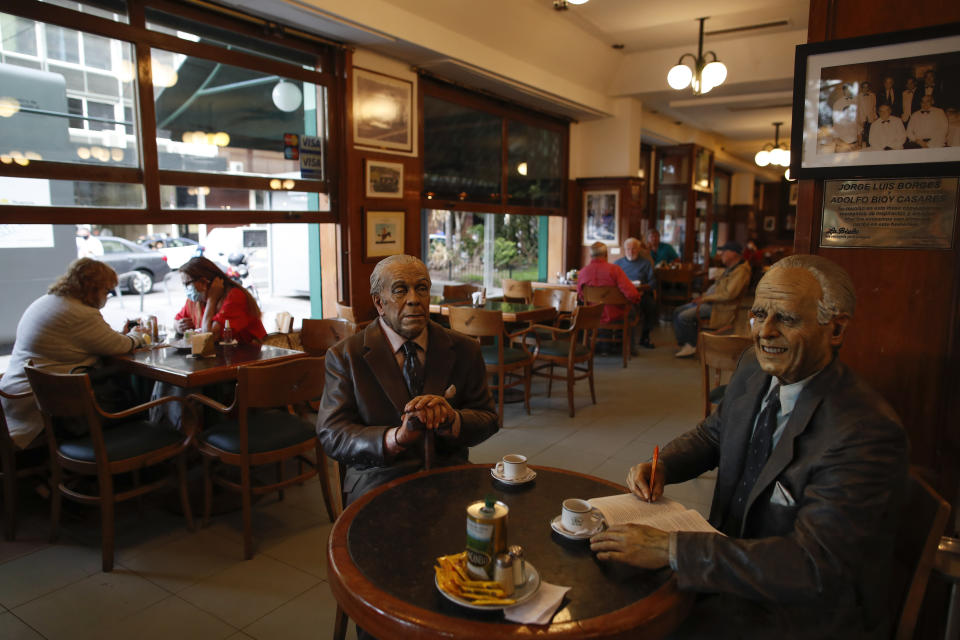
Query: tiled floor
{"points": [[169, 583]]}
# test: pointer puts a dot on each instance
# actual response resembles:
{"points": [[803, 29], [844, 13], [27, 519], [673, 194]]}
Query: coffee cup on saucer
{"points": [[576, 515], [513, 466]]}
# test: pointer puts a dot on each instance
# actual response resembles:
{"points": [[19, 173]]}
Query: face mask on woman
{"points": [[192, 293]]}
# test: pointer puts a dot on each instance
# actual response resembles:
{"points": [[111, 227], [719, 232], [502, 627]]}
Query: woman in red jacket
{"points": [[213, 299]]}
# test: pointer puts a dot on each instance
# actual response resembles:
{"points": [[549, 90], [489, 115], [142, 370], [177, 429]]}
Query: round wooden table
{"points": [[382, 549]]}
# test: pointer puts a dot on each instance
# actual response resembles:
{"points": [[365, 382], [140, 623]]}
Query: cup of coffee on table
{"points": [[576, 516], [512, 467]]}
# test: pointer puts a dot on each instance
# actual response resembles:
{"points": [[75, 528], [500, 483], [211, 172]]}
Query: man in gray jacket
{"points": [[811, 467], [401, 367]]}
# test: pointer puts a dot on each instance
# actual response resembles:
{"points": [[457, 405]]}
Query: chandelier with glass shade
{"points": [[704, 76], [775, 153]]}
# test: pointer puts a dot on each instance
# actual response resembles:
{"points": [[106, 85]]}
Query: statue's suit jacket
{"points": [[812, 553], [365, 394]]}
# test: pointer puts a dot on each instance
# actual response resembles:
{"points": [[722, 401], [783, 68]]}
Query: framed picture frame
{"points": [[769, 223], [852, 98], [601, 217], [383, 179], [382, 234], [794, 196], [382, 111]]}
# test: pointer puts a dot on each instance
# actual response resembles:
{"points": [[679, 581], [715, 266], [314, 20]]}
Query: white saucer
{"points": [[523, 593], [557, 525], [531, 474]]}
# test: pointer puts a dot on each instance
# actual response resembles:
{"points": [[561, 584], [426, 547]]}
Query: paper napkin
{"points": [[540, 608]]}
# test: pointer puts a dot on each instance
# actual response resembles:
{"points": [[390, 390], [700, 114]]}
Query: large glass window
{"points": [[461, 155], [534, 159]]}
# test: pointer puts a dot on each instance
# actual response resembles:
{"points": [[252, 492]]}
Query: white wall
{"points": [[609, 147]]}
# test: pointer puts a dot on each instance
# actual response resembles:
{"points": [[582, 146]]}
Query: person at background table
{"points": [[600, 273], [719, 303], [64, 331], [811, 464], [639, 268], [402, 366], [660, 252], [886, 132], [212, 299]]}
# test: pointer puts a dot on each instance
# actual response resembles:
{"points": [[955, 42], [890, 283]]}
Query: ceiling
{"points": [[565, 62]]}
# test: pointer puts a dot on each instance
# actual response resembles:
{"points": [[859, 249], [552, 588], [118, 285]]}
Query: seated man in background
{"points": [[660, 252], [718, 303], [600, 273], [402, 367], [811, 467], [639, 269]]}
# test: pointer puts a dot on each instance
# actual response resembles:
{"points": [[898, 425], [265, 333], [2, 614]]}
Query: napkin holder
{"points": [[202, 344]]}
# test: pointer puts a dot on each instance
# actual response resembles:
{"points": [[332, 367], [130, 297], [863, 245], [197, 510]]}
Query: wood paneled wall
{"points": [[904, 336]]}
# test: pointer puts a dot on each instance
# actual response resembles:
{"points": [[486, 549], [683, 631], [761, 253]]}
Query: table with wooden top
{"points": [[179, 368], [512, 311], [381, 553]]}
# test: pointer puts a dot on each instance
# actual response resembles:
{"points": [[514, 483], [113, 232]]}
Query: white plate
{"points": [[557, 525], [531, 474], [521, 594], [181, 345]]}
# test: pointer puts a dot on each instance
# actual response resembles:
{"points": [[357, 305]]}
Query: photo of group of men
{"points": [[907, 103]]}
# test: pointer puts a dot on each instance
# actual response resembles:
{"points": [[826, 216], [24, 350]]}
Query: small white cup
{"points": [[512, 467], [576, 517]]}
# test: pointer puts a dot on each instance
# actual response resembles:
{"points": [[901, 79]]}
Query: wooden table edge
{"points": [[392, 616]]}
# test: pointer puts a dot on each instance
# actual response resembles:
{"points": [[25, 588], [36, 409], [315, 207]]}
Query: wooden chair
{"points": [[457, 292], [316, 336], [613, 296], [347, 313], [8, 466], [276, 339], [569, 348], [719, 355], [260, 437], [103, 453], [517, 290], [923, 518], [502, 360], [674, 286]]}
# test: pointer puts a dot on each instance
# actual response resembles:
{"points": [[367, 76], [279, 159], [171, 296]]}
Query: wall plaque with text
{"points": [[902, 213]]}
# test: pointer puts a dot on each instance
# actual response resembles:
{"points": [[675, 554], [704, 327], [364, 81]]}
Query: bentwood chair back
{"points": [[348, 314], [612, 296], [517, 290], [674, 286], [318, 335], [502, 358], [266, 431], [571, 349], [104, 453], [458, 292], [719, 357], [923, 519], [32, 463]]}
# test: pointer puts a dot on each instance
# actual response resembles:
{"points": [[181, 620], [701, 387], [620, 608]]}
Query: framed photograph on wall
{"points": [[382, 111], [794, 194], [383, 179], [382, 234], [601, 217], [769, 223], [885, 105]]}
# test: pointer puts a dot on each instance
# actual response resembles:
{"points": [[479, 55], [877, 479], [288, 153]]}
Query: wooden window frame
{"points": [[329, 59]]}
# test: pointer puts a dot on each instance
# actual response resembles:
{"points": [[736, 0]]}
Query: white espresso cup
{"points": [[512, 467], [577, 515]]}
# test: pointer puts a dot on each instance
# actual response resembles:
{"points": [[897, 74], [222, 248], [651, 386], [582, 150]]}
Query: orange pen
{"points": [[653, 469]]}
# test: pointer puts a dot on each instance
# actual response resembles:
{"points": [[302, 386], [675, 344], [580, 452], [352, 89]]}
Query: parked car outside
{"points": [[177, 250], [137, 267]]}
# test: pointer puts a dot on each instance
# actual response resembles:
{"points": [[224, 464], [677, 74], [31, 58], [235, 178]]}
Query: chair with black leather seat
{"points": [[105, 451], [923, 518], [265, 431], [569, 348], [614, 297], [719, 356], [501, 358], [318, 335], [15, 464]]}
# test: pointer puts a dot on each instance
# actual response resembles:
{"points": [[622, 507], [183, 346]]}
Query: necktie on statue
{"points": [[761, 444], [412, 369]]}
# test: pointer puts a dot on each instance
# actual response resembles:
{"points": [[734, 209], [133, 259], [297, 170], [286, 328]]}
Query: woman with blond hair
{"points": [[59, 332], [213, 299]]}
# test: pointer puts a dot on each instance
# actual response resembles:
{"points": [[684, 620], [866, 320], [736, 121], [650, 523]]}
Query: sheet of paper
{"points": [[665, 514]]}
